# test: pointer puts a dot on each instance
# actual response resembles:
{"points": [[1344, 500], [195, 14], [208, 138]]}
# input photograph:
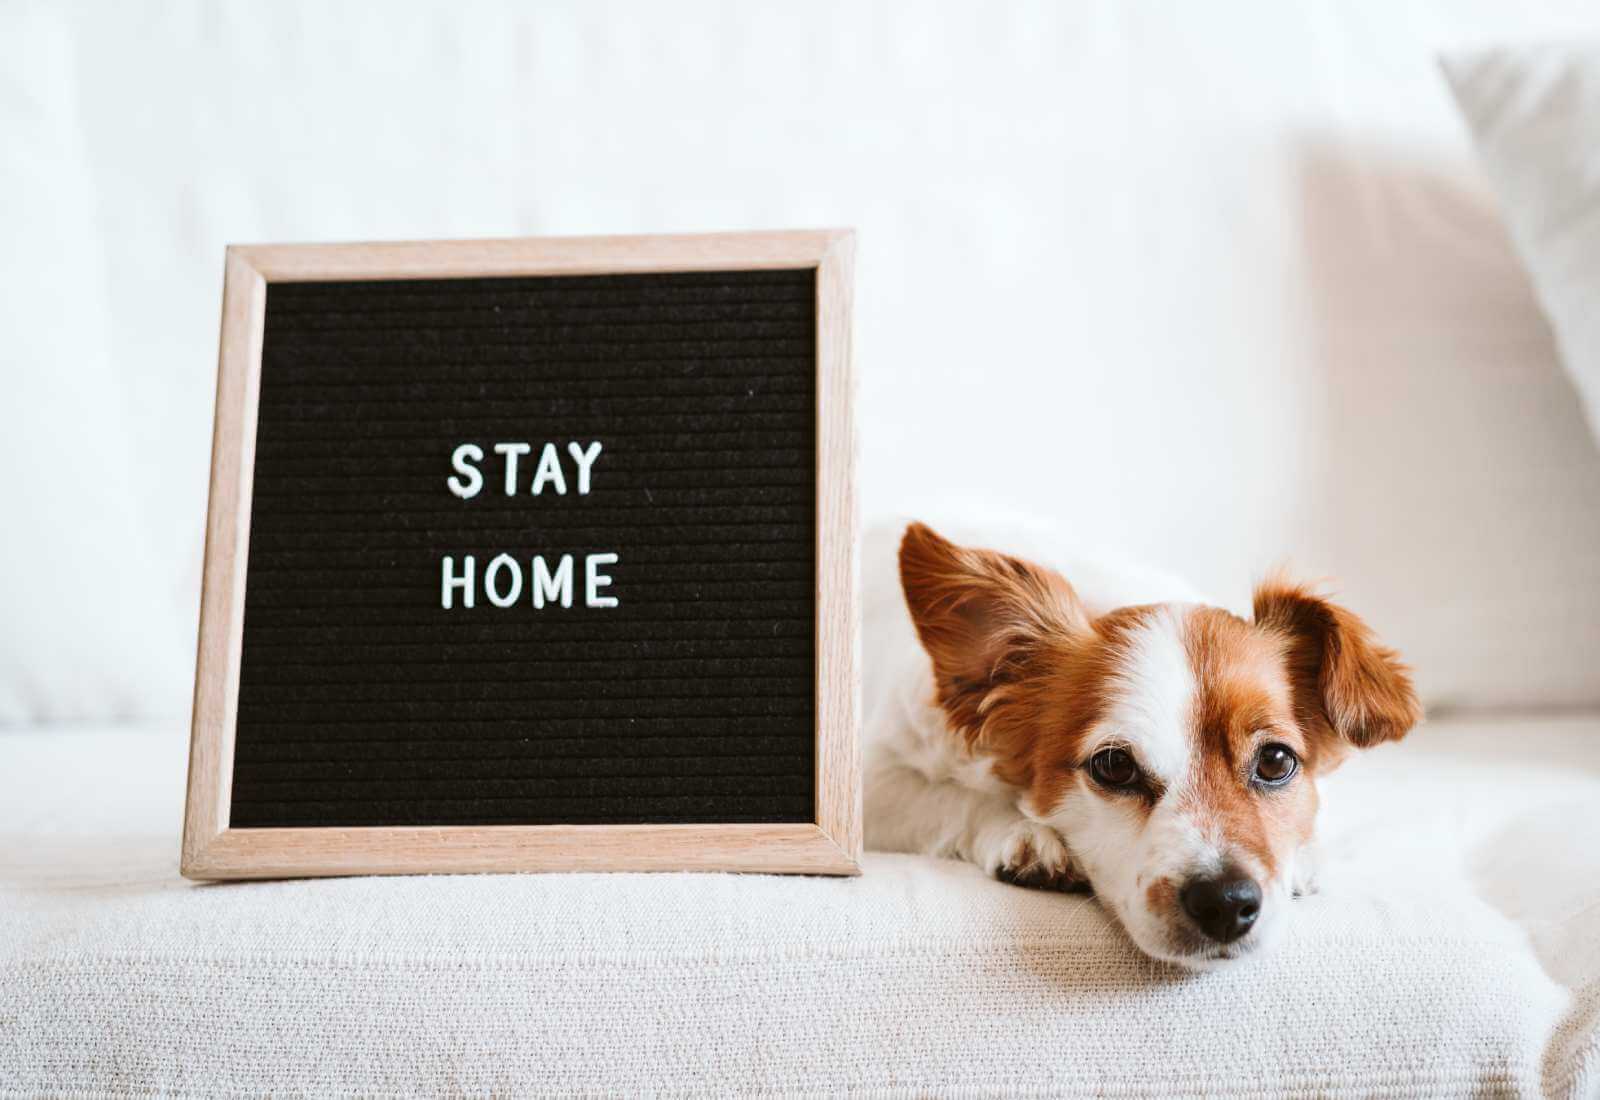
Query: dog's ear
{"points": [[982, 616], [1342, 676]]}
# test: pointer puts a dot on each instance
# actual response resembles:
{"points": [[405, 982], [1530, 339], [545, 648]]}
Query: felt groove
{"points": [[495, 689], [363, 702], [670, 371], [668, 353], [443, 317], [623, 708], [343, 633], [587, 808], [484, 777], [786, 618], [698, 314], [617, 712], [707, 748], [354, 749], [467, 429], [554, 671], [331, 474], [327, 452], [485, 731], [690, 478], [317, 298], [345, 560]]}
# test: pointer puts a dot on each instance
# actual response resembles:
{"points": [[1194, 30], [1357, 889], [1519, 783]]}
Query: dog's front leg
{"points": [[908, 812]]}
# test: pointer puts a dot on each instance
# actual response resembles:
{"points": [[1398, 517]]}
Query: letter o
{"points": [[491, 589]]}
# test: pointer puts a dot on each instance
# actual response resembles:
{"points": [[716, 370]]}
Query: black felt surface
{"points": [[363, 702]]}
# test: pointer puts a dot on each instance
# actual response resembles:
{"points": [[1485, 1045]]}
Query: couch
{"points": [[1454, 950]]}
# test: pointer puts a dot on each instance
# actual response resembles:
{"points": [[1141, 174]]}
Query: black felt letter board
{"points": [[364, 701]]}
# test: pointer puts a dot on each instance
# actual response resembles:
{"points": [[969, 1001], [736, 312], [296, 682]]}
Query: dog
{"points": [[1162, 756]]}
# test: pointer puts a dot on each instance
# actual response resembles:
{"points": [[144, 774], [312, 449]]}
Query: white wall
{"points": [[1218, 285]]}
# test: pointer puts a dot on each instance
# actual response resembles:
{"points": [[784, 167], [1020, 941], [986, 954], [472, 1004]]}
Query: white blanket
{"points": [[1453, 951]]}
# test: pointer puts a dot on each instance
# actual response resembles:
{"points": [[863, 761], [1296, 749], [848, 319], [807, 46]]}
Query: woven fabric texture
{"points": [[1452, 952]]}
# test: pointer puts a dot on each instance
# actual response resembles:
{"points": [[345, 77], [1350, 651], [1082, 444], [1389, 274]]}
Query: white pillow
{"points": [[1535, 114]]}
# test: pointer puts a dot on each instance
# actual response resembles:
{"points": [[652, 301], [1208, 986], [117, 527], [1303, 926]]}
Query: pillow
{"points": [[1535, 115]]}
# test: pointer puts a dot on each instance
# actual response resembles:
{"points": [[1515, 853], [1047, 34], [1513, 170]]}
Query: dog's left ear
{"points": [[1342, 675], [982, 616]]}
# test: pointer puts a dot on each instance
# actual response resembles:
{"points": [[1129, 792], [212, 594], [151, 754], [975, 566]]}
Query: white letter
{"points": [[593, 580], [450, 581], [558, 587], [489, 587], [511, 451], [549, 470], [584, 459], [468, 489]]}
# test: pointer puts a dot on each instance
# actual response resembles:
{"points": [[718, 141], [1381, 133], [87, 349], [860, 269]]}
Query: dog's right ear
{"points": [[981, 616], [1341, 674]]}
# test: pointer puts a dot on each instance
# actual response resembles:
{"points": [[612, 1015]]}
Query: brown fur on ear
{"points": [[982, 617], [1342, 676]]}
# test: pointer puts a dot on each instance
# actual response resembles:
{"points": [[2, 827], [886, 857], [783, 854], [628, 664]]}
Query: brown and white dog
{"points": [[1162, 755]]}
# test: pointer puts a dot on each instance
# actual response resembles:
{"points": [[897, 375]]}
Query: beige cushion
{"points": [[1452, 951]]}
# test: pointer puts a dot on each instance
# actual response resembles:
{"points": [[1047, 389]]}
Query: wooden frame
{"points": [[830, 845]]}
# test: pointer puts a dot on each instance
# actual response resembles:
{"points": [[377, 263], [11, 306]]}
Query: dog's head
{"points": [[1175, 746]]}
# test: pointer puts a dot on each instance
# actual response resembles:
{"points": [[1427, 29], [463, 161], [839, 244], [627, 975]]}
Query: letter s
{"points": [[460, 459]]}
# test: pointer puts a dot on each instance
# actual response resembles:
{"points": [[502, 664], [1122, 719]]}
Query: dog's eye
{"points": [[1114, 768], [1276, 764]]}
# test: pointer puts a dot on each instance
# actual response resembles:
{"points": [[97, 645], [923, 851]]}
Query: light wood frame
{"points": [[830, 845]]}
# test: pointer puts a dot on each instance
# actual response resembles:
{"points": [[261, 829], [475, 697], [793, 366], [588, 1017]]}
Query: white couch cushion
{"points": [[1451, 952]]}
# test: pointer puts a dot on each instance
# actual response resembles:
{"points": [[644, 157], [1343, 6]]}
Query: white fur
{"points": [[926, 792], [1149, 711]]}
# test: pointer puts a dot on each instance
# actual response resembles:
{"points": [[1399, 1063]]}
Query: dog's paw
{"points": [[1303, 877], [1035, 856]]}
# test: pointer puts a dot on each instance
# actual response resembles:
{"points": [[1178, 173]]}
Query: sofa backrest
{"points": [[1219, 286]]}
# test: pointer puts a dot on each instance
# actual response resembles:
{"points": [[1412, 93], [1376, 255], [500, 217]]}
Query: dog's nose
{"points": [[1224, 907]]}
